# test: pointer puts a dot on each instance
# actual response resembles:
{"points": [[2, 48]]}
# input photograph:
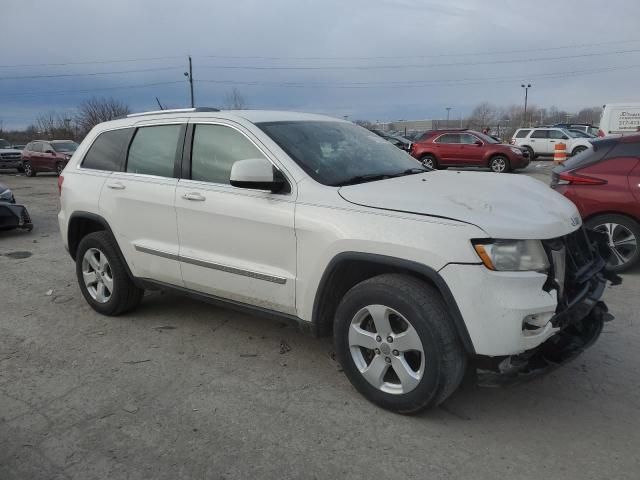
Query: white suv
{"points": [[420, 275], [542, 141]]}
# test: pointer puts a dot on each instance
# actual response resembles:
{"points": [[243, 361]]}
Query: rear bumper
{"points": [[14, 216]]}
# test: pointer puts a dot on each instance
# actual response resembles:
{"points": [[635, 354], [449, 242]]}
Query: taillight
{"points": [[60, 181], [569, 178], [601, 133]]}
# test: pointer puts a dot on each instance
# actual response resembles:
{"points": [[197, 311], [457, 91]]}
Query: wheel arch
{"points": [[611, 212], [347, 269]]}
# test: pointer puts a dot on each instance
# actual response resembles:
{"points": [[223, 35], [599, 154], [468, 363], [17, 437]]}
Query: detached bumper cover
{"points": [[14, 216]]}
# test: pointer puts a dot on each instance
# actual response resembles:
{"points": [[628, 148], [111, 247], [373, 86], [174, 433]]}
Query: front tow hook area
{"points": [[557, 350]]}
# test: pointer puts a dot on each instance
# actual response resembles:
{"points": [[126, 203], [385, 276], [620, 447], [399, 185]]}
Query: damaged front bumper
{"points": [[578, 319], [14, 216]]}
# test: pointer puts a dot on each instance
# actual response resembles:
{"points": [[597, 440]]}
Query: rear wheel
{"points": [[102, 275], [577, 150], [499, 164], [28, 169], [429, 161], [623, 235], [397, 345]]}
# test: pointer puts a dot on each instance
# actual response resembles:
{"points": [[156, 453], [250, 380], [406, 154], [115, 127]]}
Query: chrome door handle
{"points": [[116, 186], [194, 196]]}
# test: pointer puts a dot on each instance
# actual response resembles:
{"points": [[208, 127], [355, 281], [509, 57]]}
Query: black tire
{"points": [[532, 154], [577, 150], [429, 161], [422, 305], [125, 295], [20, 169], [626, 226], [59, 168], [499, 164], [28, 169]]}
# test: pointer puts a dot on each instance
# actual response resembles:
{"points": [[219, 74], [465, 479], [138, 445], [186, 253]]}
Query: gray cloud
{"points": [[315, 34]]}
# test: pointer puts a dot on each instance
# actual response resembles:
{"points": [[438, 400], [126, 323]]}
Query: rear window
{"points": [[522, 133], [108, 151], [587, 157]]}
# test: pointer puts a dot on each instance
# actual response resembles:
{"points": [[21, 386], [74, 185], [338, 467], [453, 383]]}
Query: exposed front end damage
{"points": [[14, 216], [577, 273]]}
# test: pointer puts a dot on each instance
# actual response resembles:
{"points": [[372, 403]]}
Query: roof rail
{"points": [[175, 110]]}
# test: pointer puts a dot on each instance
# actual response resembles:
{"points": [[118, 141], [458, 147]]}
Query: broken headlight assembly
{"points": [[512, 255]]}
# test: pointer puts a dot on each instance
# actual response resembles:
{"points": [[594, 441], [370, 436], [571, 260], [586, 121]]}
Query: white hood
{"points": [[508, 206]]}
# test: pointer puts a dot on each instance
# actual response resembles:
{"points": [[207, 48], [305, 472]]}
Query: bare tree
{"points": [[97, 110], [483, 115], [235, 100]]}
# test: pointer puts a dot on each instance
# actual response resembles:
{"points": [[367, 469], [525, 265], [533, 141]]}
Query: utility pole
{"points": [[448, 109], [189, 76], [526, 97]]}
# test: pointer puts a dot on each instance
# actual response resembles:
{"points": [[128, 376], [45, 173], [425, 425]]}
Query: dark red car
{"points": [[604, 183], [467, 148], [47, 156]]}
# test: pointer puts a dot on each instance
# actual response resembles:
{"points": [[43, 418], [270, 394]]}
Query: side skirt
{"points": [[304, 326]]}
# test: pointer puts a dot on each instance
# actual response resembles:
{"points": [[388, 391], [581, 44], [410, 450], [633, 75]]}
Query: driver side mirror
{"points": [[50, 152], [256, 174], [478, 143]]}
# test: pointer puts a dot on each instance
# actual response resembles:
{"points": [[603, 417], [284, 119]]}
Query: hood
{"points": [[507, 206]]}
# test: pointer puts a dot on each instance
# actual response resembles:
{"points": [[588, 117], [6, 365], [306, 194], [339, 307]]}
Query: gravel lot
{"points": [[181, 389]]}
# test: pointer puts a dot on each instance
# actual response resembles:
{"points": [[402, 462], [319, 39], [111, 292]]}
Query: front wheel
{"points": [[28, 169], [102, 275], [59, 168], [499, 164], [397, 345], [429, 161], [623, 235]]}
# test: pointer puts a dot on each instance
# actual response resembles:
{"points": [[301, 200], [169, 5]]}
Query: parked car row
{"points": [[37, 156]]}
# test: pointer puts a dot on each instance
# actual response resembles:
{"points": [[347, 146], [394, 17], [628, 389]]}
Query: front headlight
{"points": [[517, 151], [6, 195], [512, 255]]}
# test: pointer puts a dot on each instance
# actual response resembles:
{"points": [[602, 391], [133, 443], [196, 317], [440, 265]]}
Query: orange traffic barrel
{"points": [[559, 153]]}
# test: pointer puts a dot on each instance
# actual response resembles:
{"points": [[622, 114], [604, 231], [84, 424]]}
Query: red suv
{"points": [[47, 156], [604, 183], [467, 148]]}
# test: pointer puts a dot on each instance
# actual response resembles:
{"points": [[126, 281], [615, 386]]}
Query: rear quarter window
{"points": [[108, 151], [522, 133]]}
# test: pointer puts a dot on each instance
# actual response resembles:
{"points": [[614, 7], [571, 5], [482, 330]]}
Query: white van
{"points": [[620, 119]]}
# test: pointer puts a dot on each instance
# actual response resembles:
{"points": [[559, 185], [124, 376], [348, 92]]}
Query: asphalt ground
{"points": [[182, 389]]}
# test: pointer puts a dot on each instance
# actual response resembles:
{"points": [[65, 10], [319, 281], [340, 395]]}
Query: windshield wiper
{"points": [[380, 176]]}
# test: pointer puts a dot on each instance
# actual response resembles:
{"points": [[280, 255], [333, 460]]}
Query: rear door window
{"points": [[449, 138], [153, 150], [540, 134], [108, 151], [522, 133]]}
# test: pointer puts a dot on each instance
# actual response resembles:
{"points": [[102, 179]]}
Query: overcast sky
{"points": [[369, 59]]}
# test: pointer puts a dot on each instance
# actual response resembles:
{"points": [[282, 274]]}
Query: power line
{"points": [[73, 92], [486, 52], [404, 65], [91, 62], [92, 74]]}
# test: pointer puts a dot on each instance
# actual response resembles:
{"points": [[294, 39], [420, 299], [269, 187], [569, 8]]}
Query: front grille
{"points": [[581, 262], [10, 156]]}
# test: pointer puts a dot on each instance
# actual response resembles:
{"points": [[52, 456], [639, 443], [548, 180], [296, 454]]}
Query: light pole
{"points": [[189, 76], [448, 109], [526, 98]]}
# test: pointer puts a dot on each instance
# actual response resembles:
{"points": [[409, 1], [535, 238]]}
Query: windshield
{"points": [[486, 138], [65, 146], [4, 143], [336, 153]]}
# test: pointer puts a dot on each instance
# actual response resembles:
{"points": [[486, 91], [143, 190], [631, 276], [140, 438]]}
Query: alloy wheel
{"points": [[622, 243], [27, 169], [386, 349], [97, 275], [498, 165], [428, 162]]}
